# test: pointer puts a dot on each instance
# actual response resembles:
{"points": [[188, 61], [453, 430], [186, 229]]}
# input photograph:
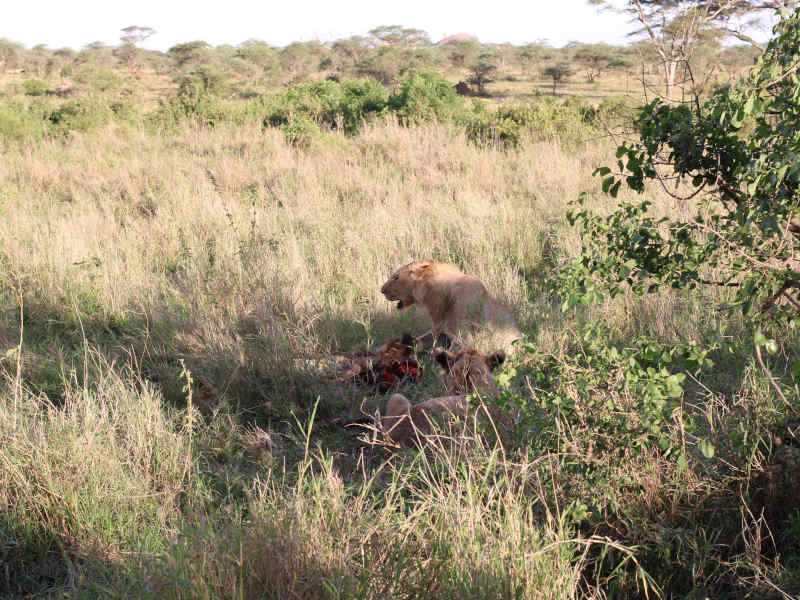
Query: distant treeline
{"points": [[385, 54], [310, 88]]}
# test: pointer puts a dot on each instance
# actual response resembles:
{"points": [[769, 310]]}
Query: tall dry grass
{"points": [[232, 221], [125, 253], [113, 493]]}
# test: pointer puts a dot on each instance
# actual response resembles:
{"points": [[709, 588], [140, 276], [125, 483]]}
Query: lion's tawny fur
{"points": [[456, 302], [466, 371]]}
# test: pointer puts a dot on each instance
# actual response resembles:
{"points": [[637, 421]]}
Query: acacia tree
{"points": [[188, 52], [625, 64], [558, 72], [736, 158], [461, 52], [396, 35], [596, 59], [260, 54], [482, 70], [136, 34], [674, 26], [131, 36], [299, 59], [9, 54], [528, 55], [387, 64], [349, 52]]}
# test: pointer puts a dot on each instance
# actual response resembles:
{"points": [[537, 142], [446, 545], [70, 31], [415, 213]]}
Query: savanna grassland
{"points": [[175, 276]]}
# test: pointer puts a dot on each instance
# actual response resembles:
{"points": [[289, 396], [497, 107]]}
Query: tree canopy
{"points": [[733, 163], [674, 27]]}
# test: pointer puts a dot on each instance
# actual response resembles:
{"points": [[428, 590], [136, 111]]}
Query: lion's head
{"points": [[468, 370], [403, 283]]}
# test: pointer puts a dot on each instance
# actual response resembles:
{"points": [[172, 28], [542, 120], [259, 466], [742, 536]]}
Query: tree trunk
{"points": [[670, 69]]}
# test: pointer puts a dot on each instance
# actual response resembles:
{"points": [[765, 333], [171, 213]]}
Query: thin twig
{"points": [[735, 248], [774, 383]]}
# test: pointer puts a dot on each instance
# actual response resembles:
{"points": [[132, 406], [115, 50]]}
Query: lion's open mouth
{"points": [[400, 305]]}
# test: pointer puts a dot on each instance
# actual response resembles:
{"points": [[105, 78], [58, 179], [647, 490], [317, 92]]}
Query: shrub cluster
{"points": [[545, 119], [424, 96], [35, 119], [35, 87], [18, 122], [334, 105], [303, 112], [84, 114]]}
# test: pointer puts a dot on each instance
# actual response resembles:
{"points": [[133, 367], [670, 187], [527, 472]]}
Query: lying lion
{"points": [[454, 301], [466, 371]]}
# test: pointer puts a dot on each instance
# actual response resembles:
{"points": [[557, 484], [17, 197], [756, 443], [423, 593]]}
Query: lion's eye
{"points": [[395, 277]]}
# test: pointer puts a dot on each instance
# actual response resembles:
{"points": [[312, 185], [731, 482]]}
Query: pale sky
{"points": [[75, 23]]}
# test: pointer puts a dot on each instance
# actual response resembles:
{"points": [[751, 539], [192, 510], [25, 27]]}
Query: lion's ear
{"points": [[495, 360], [444, 359], [444, 341], [420, 267]]}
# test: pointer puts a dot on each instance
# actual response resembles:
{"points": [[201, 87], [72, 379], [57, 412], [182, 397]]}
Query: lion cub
{"points": [[453, 300], [466, 371]]}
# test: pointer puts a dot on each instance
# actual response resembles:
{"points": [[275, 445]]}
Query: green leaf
{"points": [[707, 448], [748, 105], [602, 171], [796, 369], [760, 339], [674, 388], [682, 465]]}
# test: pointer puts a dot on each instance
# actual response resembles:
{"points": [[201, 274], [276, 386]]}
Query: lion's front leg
{"points": [[430, 340]]}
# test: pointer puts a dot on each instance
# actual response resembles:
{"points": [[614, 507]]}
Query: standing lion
{"points": [[457, 303]]}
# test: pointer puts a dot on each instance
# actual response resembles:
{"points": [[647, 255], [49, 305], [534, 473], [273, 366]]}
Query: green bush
{"points": [[610, 111], [101, 80], [124, 111], [199, 97], [300, 131], [328, 104], [84, 114], [209, 111], [361, 100], [736, 156], [422, 96], [627, 419], [199, 91], [626, 394], [509, 126], [35, 87], [426, 96], [18, 123]]}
